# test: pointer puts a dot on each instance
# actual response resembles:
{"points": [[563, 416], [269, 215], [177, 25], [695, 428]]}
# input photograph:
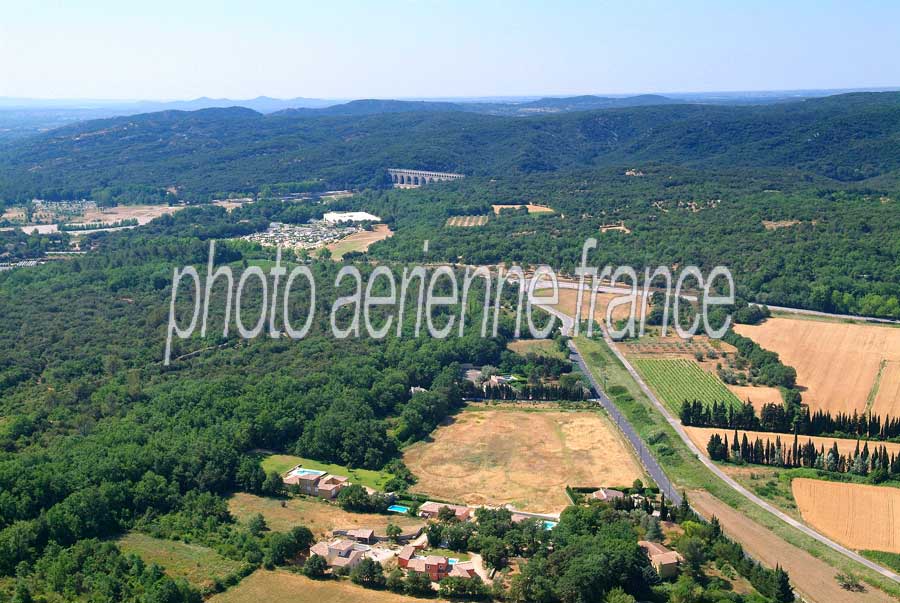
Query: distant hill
{"points": [[848, 138]]}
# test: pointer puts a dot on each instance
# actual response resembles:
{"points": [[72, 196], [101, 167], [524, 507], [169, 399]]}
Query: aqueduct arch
{"points": [[403, 177]]}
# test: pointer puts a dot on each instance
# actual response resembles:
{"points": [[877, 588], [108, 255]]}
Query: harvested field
{"points": [[197, 564], [317, 515], [700, 436], [843, 366], [758, 395], [569, 297], [286, 587], [523, 457], [467, 221], [359, 241], [532, 208], [812, 577], [858, 516]]}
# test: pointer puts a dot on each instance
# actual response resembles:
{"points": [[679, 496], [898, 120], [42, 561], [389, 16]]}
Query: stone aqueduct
{"points": [[420, 177]]}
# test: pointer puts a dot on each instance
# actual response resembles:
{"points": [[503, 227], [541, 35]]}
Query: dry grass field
{"points": [[757, 395], [142, 213], [319, 516], [286, 587], [568, 299], [359, 241], [532, 208], [197, 564], [700, 436], [842, 366], [620, 227], [499, 455], [467, 221], [776, 224], [858, 516], [811, 576]]}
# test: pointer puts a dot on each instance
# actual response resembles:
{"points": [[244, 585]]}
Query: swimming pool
{"points": [[302, 471], [398, 509], [549, 525]]}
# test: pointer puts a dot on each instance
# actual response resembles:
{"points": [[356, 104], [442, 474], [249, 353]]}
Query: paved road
{"points": [[650, 461], [829, 315]]}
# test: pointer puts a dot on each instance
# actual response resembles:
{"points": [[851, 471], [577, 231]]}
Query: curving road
{"points": [[649, 461]]}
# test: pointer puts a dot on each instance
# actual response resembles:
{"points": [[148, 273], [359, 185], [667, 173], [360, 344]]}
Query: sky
{"points": [[434, 48]]}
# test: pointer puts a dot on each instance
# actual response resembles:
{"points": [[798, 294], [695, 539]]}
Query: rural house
{"points": [[436, 566], [340, 553], [606, 494], [315, 483], [364, 535], [430, 510], [663, 560]]}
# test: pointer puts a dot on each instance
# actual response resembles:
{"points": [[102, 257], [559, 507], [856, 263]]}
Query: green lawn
{"points": [[677, 379], [365, 477], [446, 553], [688, 473], [197, 564]]}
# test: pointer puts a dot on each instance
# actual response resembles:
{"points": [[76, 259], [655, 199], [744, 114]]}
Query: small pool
{"points": [[303, 471], [452, 560], [398, 509], [549, 525]]}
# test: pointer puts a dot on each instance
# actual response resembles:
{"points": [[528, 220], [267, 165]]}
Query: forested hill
{"points": [[848, 138]]}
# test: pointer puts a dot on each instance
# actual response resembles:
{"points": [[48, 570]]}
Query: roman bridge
{"points": [[420, 177]]}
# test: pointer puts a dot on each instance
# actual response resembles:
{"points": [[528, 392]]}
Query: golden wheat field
{"points": [[858, 516], [842, 366]]}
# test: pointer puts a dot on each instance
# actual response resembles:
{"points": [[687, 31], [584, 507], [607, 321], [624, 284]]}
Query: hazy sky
{"points": [[160, 49]]}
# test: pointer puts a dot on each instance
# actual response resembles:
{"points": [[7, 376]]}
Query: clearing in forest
{"points": [[498, 455], [568, 299], [842, 366], [532, 208], [679, 379], [287, 587], [359, 241], [318, 515], [467, 220], [539, 347], [281, 463], [197, 564], [858, 516]]}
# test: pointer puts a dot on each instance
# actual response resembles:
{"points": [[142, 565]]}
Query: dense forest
{"points": [[86, 396], [844, 138]]}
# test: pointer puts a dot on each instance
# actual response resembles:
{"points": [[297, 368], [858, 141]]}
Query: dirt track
{"points": [[812, 577]]}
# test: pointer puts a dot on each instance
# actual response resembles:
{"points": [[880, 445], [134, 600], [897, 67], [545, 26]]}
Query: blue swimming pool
{"points": [[549, 525], [398, 509]]}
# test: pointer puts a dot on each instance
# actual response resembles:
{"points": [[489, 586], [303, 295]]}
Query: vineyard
{"points": [[467, 221], [676, 380]]}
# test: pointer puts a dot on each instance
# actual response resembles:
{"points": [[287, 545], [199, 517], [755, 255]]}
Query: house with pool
{"points": [[313, 482]]}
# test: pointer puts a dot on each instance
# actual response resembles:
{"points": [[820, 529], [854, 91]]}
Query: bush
{"points": [[315, 567]]}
